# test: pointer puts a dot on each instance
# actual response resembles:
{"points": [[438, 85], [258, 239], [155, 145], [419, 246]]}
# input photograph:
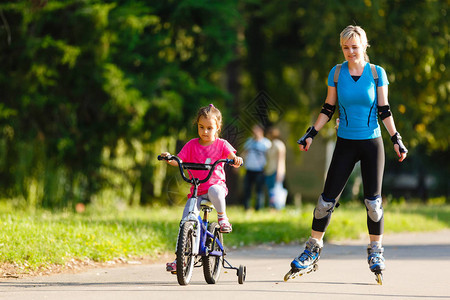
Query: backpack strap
{"points": [[336, 74], [375, 77], [337, 71], [374, 74]]}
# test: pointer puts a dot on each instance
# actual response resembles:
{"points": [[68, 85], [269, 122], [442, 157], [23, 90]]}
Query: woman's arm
{"points": [[388, 122], [322, 119], [331, 99]]}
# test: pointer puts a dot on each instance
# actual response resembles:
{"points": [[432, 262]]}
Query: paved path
{"points": [[418, 267]]}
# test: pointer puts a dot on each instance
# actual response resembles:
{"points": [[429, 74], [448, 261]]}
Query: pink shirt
{"points": [[193, 152]]}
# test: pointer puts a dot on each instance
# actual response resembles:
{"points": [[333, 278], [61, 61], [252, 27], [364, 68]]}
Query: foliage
{"points": [[93, 90], [85, 81]]}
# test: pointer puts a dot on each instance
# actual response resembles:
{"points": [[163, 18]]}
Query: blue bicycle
{"points": [[200, 242]]}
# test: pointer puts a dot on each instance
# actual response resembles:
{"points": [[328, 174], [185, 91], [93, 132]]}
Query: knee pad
{"points": [[324, 207], [374, 208]]}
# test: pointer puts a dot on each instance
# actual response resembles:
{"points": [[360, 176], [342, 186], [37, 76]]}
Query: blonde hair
{"points": [[352, 31], [210, 111]]}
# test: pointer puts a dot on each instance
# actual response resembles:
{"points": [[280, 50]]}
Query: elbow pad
{"points": [[328, 110], [384, 112]]}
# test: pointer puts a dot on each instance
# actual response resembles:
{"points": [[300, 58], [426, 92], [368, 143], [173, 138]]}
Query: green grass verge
{"points": [[36, 240]]}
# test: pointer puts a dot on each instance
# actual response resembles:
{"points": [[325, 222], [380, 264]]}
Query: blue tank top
{"points": [[358, 113]]}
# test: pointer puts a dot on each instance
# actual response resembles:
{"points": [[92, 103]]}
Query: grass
{"points": [[31, 241]]}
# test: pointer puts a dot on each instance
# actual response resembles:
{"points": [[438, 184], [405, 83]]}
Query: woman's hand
{"points": [[399, 147], [308, 144], [401, 155]]}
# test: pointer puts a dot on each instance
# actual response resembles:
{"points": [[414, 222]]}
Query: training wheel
{"points": [[379, 278], [241, 273]]}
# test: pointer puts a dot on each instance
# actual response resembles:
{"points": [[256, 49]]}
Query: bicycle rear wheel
{"points": [[185, 256], [212, 265]]}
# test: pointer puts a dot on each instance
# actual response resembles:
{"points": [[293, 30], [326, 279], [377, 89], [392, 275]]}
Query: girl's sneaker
{"points": [[225, 226], [172, 267]]}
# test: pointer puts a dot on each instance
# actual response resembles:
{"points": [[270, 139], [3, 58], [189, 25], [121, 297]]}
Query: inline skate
{"points": [[307, 261], [376, 261]]}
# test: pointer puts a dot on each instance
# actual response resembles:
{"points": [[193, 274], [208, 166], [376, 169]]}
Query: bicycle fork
{"points": [[194, 217]]}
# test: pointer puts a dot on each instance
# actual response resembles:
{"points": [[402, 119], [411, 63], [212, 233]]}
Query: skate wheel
{"points": [[288, 275], [379, 278], [315, 267], [241, 273]]}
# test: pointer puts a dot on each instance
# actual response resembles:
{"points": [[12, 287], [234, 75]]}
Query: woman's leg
{"points": [[372, 168], [342, 164]]}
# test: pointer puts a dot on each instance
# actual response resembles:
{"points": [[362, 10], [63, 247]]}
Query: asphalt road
{"points": [[418, 267]]}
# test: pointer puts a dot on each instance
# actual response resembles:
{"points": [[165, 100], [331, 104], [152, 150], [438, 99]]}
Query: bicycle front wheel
{"points": [[185, 256], [212, 265]]}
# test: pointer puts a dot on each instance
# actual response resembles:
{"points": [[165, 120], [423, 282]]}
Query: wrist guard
{"points": [[310, 133], [397, 139]]}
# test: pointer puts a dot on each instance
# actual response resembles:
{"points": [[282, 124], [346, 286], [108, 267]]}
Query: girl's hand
{"points": [[170, 162], [238, 161], [165, 154]]}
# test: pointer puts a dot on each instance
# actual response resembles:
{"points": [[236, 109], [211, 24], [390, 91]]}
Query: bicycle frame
{"points": [[203, 249], [202, 233]]}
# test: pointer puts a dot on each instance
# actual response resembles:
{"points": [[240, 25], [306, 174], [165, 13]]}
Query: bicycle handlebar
{"points": [[196, 166]]}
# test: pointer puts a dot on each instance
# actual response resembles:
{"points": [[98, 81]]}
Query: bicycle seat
{"points": [[207, 203]]}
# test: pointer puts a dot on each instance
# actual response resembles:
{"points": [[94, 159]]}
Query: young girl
{"points": [[207, 149]]}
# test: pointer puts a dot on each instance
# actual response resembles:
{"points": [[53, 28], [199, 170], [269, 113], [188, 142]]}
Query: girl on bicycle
{"points": [[207, 149]]}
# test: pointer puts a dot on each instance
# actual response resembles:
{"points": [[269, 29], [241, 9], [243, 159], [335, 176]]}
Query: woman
{"points": [[361, 103]]}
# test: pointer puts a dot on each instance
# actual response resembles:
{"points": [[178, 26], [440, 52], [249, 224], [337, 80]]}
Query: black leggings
{"points": [[346, 154]]}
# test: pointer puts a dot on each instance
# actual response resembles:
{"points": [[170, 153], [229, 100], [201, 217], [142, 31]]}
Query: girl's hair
{"points": [[352, 31], [210, 111]]}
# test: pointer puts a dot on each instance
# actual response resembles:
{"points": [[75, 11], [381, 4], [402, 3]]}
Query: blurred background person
{"points": [[275, 169], [255, 149]]}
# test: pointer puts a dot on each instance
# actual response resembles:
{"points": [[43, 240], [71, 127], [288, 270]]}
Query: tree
{"points": [[86, 81]]}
